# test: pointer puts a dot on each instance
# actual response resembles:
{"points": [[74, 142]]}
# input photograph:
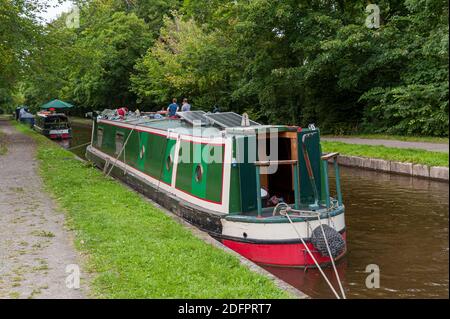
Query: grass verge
{"points": [[80, 120], [3, 148], [135, 250], [415, 156], [427, 139]]}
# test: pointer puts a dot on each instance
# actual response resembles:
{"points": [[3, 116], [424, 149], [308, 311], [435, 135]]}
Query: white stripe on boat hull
{"points": [[277, 231]]}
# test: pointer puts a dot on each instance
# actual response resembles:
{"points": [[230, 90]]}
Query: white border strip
{"points": [[278, 231]]}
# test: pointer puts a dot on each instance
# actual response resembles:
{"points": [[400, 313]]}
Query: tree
{"points": [[186, 61], [19, 34]]}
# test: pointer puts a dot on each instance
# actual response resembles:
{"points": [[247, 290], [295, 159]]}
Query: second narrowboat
{"points": [[53, 125]]}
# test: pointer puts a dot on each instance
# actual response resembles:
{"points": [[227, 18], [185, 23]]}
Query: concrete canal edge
{"points": [[208, 239], [416, 170]]}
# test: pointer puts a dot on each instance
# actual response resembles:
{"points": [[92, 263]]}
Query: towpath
{"points": [[433, 147], [35, 246]]}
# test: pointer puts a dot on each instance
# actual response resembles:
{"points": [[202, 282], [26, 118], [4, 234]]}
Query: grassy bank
{"points": [[427, 139], [135, 250], [3, 148], [80, 120], [388, 153]]}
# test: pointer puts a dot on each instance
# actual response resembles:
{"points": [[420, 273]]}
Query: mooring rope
{"points": [[77, 146], [120, 153], [162, 162], [312, 257], [332, 258], [309, 251]]}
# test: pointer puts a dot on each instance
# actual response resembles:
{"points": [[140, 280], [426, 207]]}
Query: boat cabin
{"points": [[282, 162], [53, 125]]}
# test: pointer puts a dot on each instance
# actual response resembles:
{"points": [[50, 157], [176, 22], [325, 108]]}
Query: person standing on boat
{"points": [[122, 112], [173, 108], [186, 107], [216, 109]]}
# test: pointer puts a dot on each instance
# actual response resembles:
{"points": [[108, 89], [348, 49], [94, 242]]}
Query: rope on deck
{"points": [[81, 145], [120, 153], [285, 213]]}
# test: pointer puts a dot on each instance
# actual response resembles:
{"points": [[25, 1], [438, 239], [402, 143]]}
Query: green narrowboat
{"points": [[262, 190], [53, 125]]}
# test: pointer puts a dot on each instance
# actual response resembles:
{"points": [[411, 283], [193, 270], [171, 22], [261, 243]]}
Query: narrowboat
{"points": [[53, 125], [262, 190]]}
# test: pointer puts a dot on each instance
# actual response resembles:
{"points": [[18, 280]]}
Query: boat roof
{"points": [[199, 123], [48, 114]]}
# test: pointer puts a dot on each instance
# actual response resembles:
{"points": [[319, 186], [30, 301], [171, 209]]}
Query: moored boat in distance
{"points": [[262, 190], [53, 125]]}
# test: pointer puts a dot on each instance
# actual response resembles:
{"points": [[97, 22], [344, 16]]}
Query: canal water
{"points": [[399, 224], [395, 223], [81, 134]]}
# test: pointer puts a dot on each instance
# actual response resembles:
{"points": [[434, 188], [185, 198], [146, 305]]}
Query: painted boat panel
{"points": [[314, 151]]}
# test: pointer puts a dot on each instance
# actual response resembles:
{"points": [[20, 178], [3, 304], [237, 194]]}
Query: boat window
{"points": [[99, 136], [119, 142], [198, 173], [169, 162]]}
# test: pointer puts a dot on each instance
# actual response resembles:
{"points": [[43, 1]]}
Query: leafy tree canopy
{"points": [[290, 61]]}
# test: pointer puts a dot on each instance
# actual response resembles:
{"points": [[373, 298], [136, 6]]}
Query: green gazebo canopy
{"points": [[56, 104]]}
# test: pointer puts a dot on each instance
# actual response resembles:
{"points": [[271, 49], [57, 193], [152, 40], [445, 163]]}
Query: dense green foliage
{"points": [[290, 61], [19, 34], [134, 249]]}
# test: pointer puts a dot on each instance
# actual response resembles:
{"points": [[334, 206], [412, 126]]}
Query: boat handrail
{"points": [[280, 162], [328, 156]]}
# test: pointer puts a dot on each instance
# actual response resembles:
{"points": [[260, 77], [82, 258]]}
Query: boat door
{"points": [[309, 150], [247, 171]]}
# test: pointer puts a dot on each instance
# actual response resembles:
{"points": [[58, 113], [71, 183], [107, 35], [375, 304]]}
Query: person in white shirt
{"points": [[186, 106]]}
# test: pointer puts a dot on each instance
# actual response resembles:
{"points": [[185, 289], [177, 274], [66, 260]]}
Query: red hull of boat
{"points": [[59, 136], [287, 255]]}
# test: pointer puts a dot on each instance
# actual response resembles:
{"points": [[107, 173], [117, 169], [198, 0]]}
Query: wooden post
{"points": [[327, 186], [338, 181], [296, 192]]}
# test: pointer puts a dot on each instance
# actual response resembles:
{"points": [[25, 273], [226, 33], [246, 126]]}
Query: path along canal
{"points": [[398, 223]]}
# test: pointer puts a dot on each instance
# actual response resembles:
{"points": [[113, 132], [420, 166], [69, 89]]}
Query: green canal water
{"points": [[395, 222], [81, 134]]}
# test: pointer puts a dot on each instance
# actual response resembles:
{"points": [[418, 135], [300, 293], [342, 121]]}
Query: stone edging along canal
{"points": [[416, 170]]}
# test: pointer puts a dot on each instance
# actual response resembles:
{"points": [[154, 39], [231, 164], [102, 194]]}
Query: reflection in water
{"points": [[81, 134], [399, 223]]}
